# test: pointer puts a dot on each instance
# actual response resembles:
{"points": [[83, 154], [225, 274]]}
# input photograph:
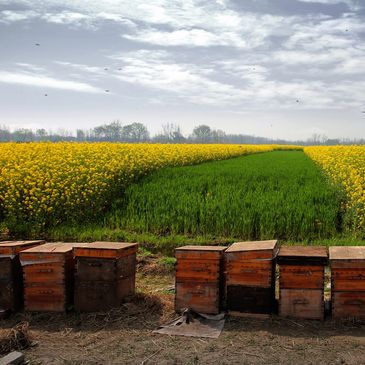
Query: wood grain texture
{"points": [[253, 246], [301, 277], [11, 277], [51, 247], [347, 253], [94, 269], [14, 247], [199, 278], [45, 273], [200, 297], [200, 252], [348, 279], [105, 249], [249, 273], [105, 275], [301, 303], [347, 305], [48, 273], [302, 255], [198, 270]]}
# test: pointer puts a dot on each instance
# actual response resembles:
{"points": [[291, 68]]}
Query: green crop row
{"points": [[279, 194]]}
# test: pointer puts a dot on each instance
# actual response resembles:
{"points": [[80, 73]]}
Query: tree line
{"points": [[138, 133]]}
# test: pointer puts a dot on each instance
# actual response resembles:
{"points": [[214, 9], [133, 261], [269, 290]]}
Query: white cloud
{"points": [[46, 82], [190, 38], [10, 16], [82, 67], [201, 85], [192, 22], [353, 5], [65, 17], [30, 67], [186, 81], [268, 60]]}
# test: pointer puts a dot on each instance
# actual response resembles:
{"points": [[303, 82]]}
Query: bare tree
{"points": [[171, 133]]}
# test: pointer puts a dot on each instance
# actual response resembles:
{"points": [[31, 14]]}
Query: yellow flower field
{"points": [[346, 166], [46, 183]]}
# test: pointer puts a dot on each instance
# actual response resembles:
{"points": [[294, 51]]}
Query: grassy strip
{"points": [[278, 194], [166, 244]]}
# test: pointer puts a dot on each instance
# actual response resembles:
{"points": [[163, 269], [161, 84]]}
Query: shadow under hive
{"points": [[302, 281], [105, 275], [250, 277], [199, 278], [347, 281], [48, 277], [11, 277]]}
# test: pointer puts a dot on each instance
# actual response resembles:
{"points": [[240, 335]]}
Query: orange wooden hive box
{"points": [[347, 281], [250, 277], [11, 278], [48, 277], [302, 281], [199, 278], [105, 274]]}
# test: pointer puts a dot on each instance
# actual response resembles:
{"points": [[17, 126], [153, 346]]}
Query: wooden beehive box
{"points": [[250, 277], [347, 281], [105, 275], [48, 272], [11, 278], [301, 281], [199, 278]]}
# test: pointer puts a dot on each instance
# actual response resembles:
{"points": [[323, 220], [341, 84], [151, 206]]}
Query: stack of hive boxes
{"points": [[105, 274], [11, 280], [250, 277], [199, 278], [48, 277], [302, 281], [348, 281]]}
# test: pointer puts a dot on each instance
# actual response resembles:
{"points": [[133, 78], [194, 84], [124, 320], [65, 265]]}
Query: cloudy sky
{"points": [[274, 68]]}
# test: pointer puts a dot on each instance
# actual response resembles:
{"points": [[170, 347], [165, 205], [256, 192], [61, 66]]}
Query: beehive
{"points": [[348, 281], [199, 278], [11, 278], [301, 281], [48, 272], [250, 277], [105, 275]]}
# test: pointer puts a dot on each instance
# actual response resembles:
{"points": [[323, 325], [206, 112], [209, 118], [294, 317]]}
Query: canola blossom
{"points": [[44, 184], [346, 166]]}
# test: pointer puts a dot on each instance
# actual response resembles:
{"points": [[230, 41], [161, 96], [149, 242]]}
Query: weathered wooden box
{"points": [[105, 275], [250, 277], [199, 278], [48, 272], [11, 278], [301, 281], [347, 281]]}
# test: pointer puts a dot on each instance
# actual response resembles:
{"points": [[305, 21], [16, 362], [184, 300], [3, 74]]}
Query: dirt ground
{"points": [[124, 336]]}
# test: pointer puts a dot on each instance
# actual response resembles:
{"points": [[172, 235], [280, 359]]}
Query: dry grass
{"points": [[16, 338]]}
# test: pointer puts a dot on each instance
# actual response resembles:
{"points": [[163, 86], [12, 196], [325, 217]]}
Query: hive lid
{"points": [[52, 247], [111, 245], [347, 253], [201, 248], [104, 249], [302, 254], [14, 247], [252, 246]]}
